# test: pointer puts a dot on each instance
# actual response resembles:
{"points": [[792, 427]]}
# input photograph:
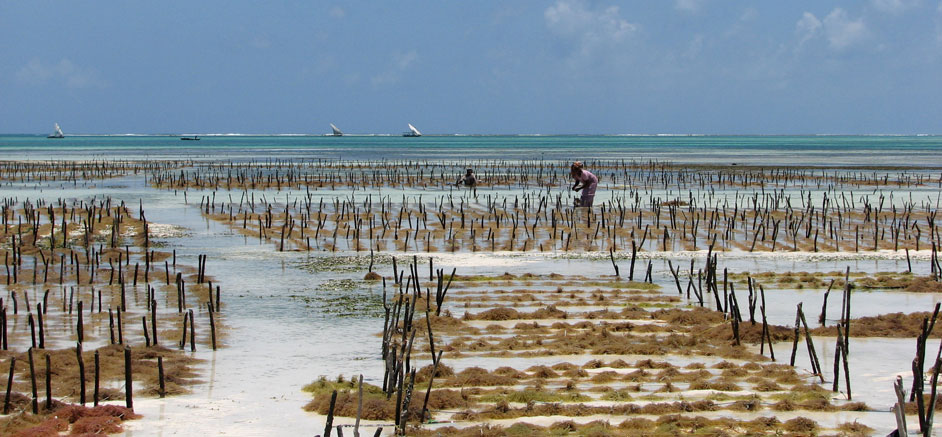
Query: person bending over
{"points": [[585, 182], [469, 179]]}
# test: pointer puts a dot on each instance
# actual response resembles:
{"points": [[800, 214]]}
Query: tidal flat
{"points": [[238, 296]]}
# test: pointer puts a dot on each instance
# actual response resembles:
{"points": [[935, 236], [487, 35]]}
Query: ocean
{"points": [[834, 151]]}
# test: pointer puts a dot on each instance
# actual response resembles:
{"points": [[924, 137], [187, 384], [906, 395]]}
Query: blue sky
{"points": [[566, 66]]}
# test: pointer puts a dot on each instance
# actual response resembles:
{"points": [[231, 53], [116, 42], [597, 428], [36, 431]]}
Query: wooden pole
{"points": [[192, 332], [32, 380], [146, 334], [128, 379], [48, 405], [182, 343], [81, 370], [330, 414], [824, 307], [846, 367], [837, 359], [797, 335], [42, 331], [212, 324], [815, 363], [428, 391], [611, 255], [120, 328], [900, 408], [97, 377], [6, 399], [153, 319], [160, 376]]}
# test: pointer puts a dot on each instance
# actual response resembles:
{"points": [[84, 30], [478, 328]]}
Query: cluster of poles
{"points": [[86, 250]]}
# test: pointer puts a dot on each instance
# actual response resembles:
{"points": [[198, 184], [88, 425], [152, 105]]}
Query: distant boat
{"points": [[193, 138], [336, 132], [58, 133], [413, 132]]}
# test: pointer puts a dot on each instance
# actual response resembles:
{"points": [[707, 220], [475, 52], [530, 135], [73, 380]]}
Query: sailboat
{"points": [[336, 132], [57, 134], [413, 132]]}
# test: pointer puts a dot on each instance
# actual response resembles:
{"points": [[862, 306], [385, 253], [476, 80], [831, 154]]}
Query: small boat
{"points": [[336, 132], [57, 134], [193, 138], [413, 132]]}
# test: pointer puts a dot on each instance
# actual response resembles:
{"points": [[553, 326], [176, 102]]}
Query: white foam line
{"points": [[507, 258]]}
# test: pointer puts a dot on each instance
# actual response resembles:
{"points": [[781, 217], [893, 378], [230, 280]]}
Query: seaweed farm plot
{"points": [[548, 354], [540, 174], [650, 207], [92, 313], [73, 173]]}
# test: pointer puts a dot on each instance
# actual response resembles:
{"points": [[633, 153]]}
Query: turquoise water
{"points": [[921, 151]]}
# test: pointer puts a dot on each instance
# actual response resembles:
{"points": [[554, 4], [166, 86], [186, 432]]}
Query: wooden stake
{"points": [[330, 414], [97, 377], [32, 380], [6, 399], [48, 384], [81, 370], [160, 376], [128, 379]]}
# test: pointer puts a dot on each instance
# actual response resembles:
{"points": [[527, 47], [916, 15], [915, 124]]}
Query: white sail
{"points": [[415, 132], [58, 132], [337, 132]]}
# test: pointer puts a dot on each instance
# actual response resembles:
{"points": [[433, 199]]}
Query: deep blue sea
{"points": [[918, 151]]}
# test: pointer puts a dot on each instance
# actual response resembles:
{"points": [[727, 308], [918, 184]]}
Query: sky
{"points": [[472, 67]]}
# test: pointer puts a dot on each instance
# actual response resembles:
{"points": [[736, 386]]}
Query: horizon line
{"points": [[288, 134]]}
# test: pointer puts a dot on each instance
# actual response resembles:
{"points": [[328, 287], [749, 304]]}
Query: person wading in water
{"points": [[585, 181], [469, 179]]}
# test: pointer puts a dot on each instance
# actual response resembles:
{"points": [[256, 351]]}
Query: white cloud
{"points": [[688, 5], [842, 32], [590, 28], [337, 12], [807, 27], [36, 72], [894, 6], [400, 62], [837, 28], [64, 72]]}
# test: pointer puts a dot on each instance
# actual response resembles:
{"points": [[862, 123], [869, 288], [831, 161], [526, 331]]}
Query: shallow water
{"points": [[277, 345], [290, 323], [874, 364], [279, 342]]}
